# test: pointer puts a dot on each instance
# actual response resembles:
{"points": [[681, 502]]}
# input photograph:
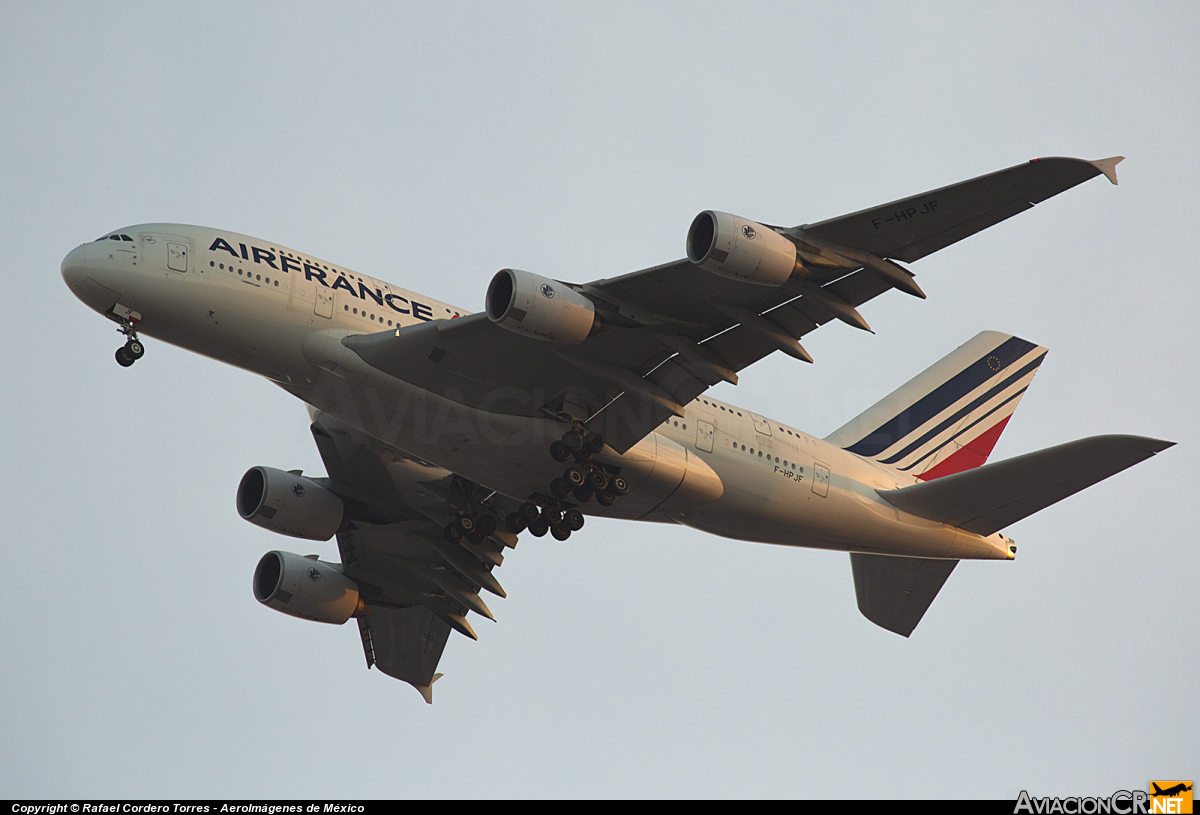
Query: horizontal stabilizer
{"points": [[987, 499], [894, 592]]}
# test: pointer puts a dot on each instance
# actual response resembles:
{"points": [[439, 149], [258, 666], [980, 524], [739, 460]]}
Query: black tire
{"points": [[605, 499], [560, 532], [476, 537], [123, 357], [559, 451], [538, 529], [583, 494], [573, 441], [486, 524], [453, 534], [618, 485], [575, 477], [514, 523], [598, 480], [529, 511], [573, 519], [560, 488], [593, 442], [135, 349], [466, 523], [551, 516]]}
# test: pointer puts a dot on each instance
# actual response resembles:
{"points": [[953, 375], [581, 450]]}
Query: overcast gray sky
{"points": [[432, 144]]}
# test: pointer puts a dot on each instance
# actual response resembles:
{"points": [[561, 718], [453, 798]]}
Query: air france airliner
{"points": [[447, 434]]}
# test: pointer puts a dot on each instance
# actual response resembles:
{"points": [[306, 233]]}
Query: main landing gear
{"points": [[133, 349], [540, 520], [470, 527], [585, 479], [582, 481]]}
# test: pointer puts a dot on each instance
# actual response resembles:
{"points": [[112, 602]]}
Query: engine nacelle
{"points": [[539, 307], [733, 247], [306, 588], [288, 504]]}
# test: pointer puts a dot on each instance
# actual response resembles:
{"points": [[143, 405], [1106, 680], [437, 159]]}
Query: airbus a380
{"points": [[447, 434]]}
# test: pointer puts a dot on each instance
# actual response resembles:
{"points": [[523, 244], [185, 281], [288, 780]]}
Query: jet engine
{"points": [[306, 587], [733, 247], [539, 307], [289, 504]]}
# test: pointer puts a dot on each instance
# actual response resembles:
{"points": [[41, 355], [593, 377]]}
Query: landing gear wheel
{"points": [[538, 529], [453, 534], [560, 532], [559, 488], [559, 451], [597, 480], [605, 499], [573, 441], [466, 523], [573, 519], [618, 486], [574, 477], [584, 494], [530, 512], [515, 523], [124, 358], [551, 516], [135, 349], [486, 525], [593, 442]]}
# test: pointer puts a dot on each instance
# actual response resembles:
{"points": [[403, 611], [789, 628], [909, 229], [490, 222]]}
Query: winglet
{"points": [[1108, 166], [426, 691]]}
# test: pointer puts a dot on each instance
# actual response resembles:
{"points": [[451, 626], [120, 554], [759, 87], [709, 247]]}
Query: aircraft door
{"points": [[704, 437], [761, 425], [177, 255], [324, 304], [820, 481]]}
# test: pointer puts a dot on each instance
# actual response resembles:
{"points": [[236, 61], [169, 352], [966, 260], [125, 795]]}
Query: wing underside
{"points": [[417, 586], [672, 331]]}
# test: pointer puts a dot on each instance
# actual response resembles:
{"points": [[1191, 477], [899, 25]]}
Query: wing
{"points": [[672, 331], [416, 584]]}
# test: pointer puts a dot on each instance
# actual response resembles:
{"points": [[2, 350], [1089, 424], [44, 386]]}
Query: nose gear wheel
{"points": [[133, 349]]}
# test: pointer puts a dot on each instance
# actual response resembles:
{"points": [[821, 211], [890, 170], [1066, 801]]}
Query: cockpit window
{"points": [[127, 238], [114, 237]]}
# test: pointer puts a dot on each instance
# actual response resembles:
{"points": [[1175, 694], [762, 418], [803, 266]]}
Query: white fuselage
{"points": [[282, 314]]}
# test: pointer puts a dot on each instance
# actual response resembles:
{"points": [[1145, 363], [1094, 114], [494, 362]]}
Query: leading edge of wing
{"points": [[911, 228]]}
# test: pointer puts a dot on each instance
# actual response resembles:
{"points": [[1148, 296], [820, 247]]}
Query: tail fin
{"points": [[948, 418]]}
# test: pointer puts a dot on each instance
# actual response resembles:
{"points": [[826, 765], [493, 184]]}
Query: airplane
{"points": [[1170, 792], [446, 434]]}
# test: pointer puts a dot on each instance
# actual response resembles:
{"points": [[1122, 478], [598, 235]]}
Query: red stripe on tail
{"points": [[969, 457]]}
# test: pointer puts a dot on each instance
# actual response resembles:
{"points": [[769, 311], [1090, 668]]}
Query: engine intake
{"points": [[734, 247], [307, 588], [536, 306], [288, 504]]}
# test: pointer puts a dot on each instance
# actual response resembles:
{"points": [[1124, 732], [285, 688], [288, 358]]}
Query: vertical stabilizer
{"points": [[948, 418]]}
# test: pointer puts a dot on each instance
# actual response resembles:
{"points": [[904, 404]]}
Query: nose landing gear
{"points": [[133, 349]]}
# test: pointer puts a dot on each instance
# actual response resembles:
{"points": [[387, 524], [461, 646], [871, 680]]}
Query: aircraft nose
{"points": [[84, 274], [74, 267]]}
